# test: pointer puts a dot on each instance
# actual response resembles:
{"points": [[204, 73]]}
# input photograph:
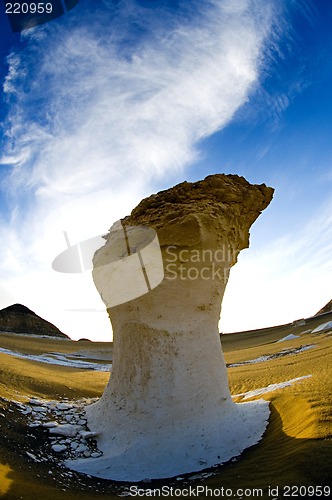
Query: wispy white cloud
{"points": [[100, 112], [85, 112]]}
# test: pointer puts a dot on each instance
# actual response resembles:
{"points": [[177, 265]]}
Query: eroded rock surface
{"points": [[167, 409]]}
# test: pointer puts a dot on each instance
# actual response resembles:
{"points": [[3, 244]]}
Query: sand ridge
{"points": [[296, 448]]}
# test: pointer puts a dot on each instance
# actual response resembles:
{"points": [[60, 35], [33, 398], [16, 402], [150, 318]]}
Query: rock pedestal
{"points": [[167, 409]]}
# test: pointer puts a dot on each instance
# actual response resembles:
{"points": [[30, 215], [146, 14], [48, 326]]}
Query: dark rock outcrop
{"points": [[326, 309], [20, 319]]}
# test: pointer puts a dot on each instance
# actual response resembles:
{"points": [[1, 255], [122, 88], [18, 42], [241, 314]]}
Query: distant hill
{"points": [[20, 319], [325, 309]]}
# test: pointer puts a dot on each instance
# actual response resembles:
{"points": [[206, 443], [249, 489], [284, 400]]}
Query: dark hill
{"points": [[327, 308], [20, 319]]}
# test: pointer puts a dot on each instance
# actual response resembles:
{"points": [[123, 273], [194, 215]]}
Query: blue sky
{"points": [[118, 99]]}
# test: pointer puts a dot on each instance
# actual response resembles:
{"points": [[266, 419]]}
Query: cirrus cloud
{"points": [[104, 105]]}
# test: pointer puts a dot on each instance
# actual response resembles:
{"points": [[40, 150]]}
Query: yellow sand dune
{"points": [[295, 450]]}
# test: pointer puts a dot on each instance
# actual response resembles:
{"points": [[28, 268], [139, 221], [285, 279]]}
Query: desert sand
{"points": [[295, 450]]}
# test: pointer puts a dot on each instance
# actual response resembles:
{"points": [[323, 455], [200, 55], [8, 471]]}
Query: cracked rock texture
{"points": [[167, 409]]}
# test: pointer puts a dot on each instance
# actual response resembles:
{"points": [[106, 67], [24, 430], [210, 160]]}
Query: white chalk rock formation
{"points": [[167, 409]]}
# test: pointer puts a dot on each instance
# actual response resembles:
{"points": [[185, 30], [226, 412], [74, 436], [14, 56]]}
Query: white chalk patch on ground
{"points": [[69, 435], [59, 359], [268, 357], [323, 327], [71, 442], [36, 336], [68, 430], [98, 354], [270, 388], [288, 337], [243, 426]]}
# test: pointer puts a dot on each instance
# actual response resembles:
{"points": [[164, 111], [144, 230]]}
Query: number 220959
{"points": [[306, 491], [28, 8]]}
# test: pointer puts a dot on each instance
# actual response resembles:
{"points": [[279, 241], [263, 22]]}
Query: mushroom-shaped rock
{"points": [[167, 409]]}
